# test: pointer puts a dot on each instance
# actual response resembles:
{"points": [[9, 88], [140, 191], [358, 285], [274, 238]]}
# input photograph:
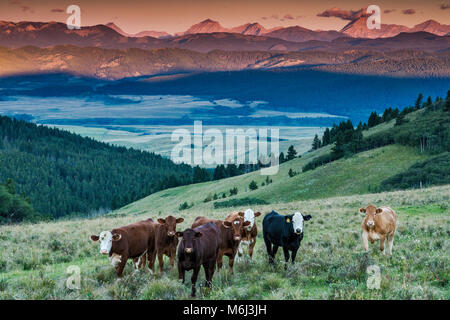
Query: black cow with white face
{"points": [[283, 231]]}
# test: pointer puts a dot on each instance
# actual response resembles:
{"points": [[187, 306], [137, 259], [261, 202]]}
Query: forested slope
{"points": [[63, 173]]}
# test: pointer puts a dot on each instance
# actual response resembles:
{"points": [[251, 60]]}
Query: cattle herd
{"points": [[208, 240]]}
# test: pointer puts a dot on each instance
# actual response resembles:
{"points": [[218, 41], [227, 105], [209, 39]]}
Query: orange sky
{"points": [[177, 15]]}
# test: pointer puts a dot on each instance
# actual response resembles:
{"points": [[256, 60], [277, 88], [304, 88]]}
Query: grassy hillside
{"points": [[360, 174], [331, 263]]}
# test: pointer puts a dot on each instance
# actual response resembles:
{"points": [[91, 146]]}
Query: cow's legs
{"points": [[390, 240], [151, 257], [269, 249], [121, 266], [365, 237], [250, 248], [231, 261], [172, 258], [209, 271], [139, 262], [143, 261], [294, 254], [160, 261], [286, 256], [194, 279], [272, 254], [136, 263], [274, 251], [231, 264], [212, 267], [240, 252], [220, 259], [181, 273], [382, 240]]}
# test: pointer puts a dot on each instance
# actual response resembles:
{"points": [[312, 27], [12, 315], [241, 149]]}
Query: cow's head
{"points": [[236, 225], [171, 224], [295, 222], [370, 212], [250, 216], [106, 239], [189, 240]]}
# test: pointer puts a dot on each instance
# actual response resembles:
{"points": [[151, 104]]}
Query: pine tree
{"points": [[326, 139], [418, 103], [282, 159], [338, 149], [316, 143], [253, 185], [291, 153], [447, 102], [374, 119], [429, 102], [220, 172]]}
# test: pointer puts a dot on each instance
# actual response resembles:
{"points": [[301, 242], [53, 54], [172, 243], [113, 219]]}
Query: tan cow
{"points": [[379, 224]]}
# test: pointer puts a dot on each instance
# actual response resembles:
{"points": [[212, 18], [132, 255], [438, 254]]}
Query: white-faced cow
{"points": [[378, 224], [166, 240], [249, 233], [135, 241], [283, 231]]}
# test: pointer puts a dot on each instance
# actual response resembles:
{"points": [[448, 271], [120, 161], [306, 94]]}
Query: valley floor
{"points": [[331, 264]]}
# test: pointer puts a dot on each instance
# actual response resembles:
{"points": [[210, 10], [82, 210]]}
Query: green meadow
{"points": [[331, 263]]}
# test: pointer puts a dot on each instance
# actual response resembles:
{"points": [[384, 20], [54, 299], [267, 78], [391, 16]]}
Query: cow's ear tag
{"points": [[288, 220]]}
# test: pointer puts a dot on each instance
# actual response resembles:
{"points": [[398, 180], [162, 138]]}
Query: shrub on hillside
{"points": [[185, 206], [253, 185], [239, 202]]}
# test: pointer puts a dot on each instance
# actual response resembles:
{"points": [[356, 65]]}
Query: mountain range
{"points": [[108, 52], [46, 34], [13, 34], [356, 29]]}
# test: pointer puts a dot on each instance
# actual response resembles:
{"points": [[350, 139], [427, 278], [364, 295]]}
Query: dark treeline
{"points": [[430, 132], [63, 173], [221, 172], [231, 170]]}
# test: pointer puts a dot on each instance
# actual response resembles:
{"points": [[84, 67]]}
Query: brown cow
{"points": [[199, 247], [230, 231], [379, 224], [166, 240], [134, 241], [249, 233]]}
